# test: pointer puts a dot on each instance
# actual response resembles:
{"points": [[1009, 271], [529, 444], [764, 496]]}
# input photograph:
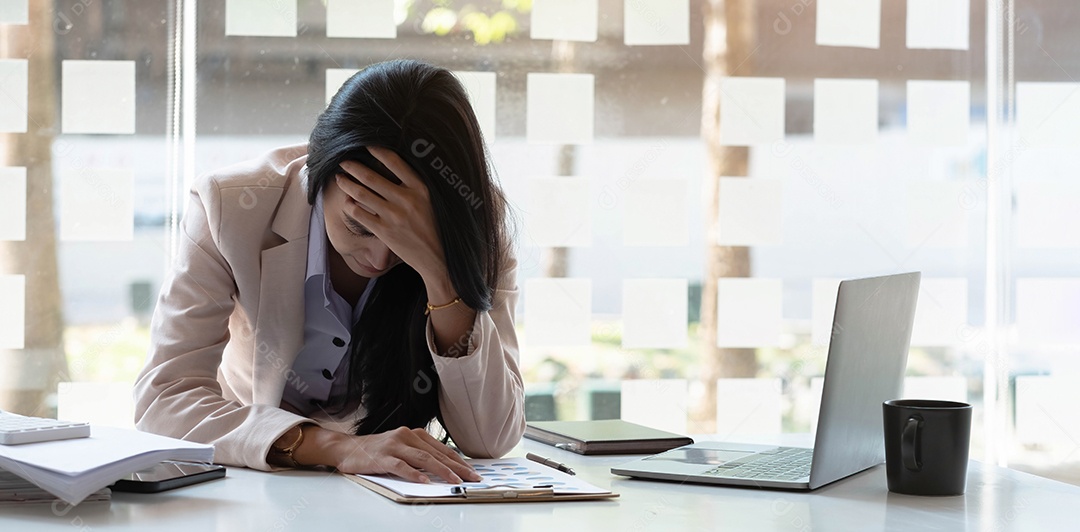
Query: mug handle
{"points": [[909, 444]]}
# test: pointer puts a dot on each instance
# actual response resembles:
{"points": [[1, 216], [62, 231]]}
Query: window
{"points": [[687, 202]]}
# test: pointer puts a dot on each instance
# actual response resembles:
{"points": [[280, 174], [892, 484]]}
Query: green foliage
{"points": [[444, 19]]}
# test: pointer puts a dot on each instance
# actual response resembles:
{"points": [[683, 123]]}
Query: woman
{"points": [[330, 300]]}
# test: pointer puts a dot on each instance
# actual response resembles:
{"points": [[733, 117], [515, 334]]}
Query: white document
{"points": [[559, 108], [98, 97], [656, 22], [937, 213], [938, 112], [335, 78], [480, 87], [845, 111], [15, 12], [260, 18], [12, 312], [13, 203], [558, 312], [751, 111], [941, 314], [1047, 113], [751, 212], [1046, 312], [559, 213], [73, 469], [854, 23], [13, 94], [514, 472], [97, 204], [565, 20], [749, 312], [654, 313], [656, 213], [1046, 214], [370, 19], [941, 24]]}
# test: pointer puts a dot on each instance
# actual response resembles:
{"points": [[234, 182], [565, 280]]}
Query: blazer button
{"points": [[339, 342], [326, 373]]}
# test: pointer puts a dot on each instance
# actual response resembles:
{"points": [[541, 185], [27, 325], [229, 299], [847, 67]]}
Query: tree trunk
{"points": [[557, 260], [28, 377], [729, 37]]}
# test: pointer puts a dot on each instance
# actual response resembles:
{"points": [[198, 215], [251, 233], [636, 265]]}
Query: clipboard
{"points": [[504, 480], [480, 496]]}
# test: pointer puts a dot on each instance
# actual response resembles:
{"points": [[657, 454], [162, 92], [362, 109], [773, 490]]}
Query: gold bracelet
{"points": [[431, 307], [287, 452]]}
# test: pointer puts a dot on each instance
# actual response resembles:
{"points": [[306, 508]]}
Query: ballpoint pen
{"points": [[550, 463]]}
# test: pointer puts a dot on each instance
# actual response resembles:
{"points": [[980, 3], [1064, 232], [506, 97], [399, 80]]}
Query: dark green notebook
{"points": [[608, 436]]}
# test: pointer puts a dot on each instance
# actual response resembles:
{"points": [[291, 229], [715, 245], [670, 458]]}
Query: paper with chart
{"points": [[514, 472]]}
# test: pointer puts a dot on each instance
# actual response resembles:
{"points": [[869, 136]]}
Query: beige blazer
{"points": [[229, 324]]}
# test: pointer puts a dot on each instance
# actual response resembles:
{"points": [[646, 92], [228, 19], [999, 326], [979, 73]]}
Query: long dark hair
{"points": [[421, 112]]}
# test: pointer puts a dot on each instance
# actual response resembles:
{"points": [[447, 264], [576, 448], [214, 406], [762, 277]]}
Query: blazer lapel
{"points": [[279, 326]]}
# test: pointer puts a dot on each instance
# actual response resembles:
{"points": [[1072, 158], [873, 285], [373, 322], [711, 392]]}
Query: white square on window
{"points": [[560, 108], [824, 292], [750, 212], [938, 112], [1047, 311], [260, 18], [13, 95], [481, 89], [98, 97], [749, 312], [937, 213], [565, 20], [845, 111], [12, 311], [654, 313], [97, 204], [760, 407], [941, 314], [650, 22], [1046, 214], [751, 111], [370, 19], [558, 312], [15, 12], [854, 23], [1047, 113], [656, 213], [941, 24], [656, 403], [335, 78], [12, 203], [939, 388], [558, 212]]}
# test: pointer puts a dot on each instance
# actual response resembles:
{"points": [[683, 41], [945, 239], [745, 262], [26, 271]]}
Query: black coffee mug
{"points": [[926, 446]]}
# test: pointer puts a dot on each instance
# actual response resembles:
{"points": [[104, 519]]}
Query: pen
{"points": [[550, 463]]}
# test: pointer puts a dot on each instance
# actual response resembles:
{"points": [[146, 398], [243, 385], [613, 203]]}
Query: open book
{"points": [[74, 469]]}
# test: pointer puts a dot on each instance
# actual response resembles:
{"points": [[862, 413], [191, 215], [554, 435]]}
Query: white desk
{"points": [[997, 499]]}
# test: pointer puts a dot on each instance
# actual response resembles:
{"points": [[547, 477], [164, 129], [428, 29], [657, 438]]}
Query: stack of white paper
{"points": [[75, 469], [15, 490]]}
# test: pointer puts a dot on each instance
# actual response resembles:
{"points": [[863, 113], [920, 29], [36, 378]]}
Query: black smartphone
{"points": [[167, 476]]}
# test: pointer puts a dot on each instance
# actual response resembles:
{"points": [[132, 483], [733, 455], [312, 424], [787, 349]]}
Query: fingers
{"points": [[369, 178], [397, 165], [428, 453], [444, 449], [364, 198]]}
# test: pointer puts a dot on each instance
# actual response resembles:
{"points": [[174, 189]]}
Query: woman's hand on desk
{"points": [[402, 451]]}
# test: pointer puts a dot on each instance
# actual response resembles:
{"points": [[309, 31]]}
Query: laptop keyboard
{"points": [[782, 463]]}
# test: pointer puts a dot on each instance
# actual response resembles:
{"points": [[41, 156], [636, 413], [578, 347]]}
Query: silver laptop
{"points": [[867, 356]]}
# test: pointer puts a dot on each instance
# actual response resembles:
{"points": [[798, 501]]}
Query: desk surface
{"points": [[997, 499]]}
